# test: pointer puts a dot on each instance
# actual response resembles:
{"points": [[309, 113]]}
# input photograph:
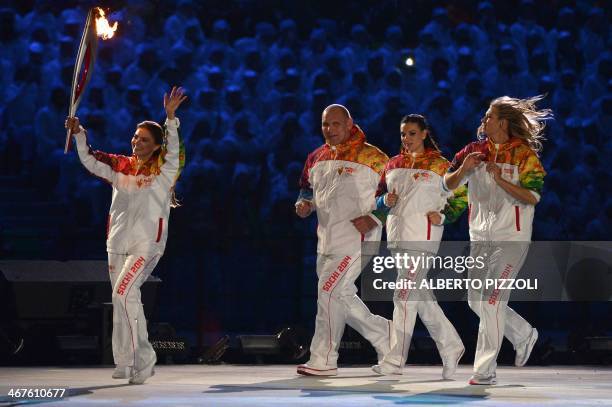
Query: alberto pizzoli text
{"points": [[458, 284]]}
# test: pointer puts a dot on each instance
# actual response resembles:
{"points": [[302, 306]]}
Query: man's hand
{"points": [[364, 224], [494, 170], [434, 217], [391, 198], [73, 124], [172, 102], [303, 208]]}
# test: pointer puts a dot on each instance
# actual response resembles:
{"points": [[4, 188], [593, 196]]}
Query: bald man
{"points": [[339, 182]]}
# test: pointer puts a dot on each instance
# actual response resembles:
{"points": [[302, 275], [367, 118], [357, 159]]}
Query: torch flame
{"points": [[103, 28]]}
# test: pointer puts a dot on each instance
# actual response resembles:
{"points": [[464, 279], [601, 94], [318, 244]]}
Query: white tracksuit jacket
{"points": [[138, 217], [418, 181], [494, 215], [341, 183]]}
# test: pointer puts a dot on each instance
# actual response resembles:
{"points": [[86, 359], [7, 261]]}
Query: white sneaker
{"points": [[306, 370], [140, 376], [449, 364], [483, 380], [524, 350], [122, 372], [386, 368]]}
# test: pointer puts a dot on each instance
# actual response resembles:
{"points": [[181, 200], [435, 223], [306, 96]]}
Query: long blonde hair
{"points": [[525, 121]]}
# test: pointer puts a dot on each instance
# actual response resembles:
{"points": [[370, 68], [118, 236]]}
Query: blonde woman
{"points": [[505, 179]]}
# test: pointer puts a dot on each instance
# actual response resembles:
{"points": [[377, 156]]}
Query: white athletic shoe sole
{"points": [[483, 381], [306, 370], [387, 369]]}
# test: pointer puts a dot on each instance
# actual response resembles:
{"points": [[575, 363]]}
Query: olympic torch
{"points": [[95, 25]]}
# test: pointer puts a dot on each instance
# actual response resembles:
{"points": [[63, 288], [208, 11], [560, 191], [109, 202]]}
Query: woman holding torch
{"points": [[137, 229]]}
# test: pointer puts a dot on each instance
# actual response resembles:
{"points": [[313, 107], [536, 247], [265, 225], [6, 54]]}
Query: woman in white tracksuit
{"points": [[411, 192], [137, 229], [505, 179]]}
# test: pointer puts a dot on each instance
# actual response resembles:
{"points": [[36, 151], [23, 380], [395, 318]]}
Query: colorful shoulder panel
{"points": [[118, 163], [435, 163], [531, 171], [372, 157], [355, 149], [311, 160]]}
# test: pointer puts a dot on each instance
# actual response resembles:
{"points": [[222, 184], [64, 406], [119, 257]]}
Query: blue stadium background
{"points": [[258, 74]]}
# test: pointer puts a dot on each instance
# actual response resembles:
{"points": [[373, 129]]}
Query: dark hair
{"points": [[421, 121], [158, 134]]}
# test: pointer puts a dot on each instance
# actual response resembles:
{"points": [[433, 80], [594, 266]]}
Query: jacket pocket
{"points": [[108, 225], [160, 228], [517, 217]]}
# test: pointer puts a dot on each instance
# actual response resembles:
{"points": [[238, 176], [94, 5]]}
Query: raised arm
{"points": [[172, 158]]}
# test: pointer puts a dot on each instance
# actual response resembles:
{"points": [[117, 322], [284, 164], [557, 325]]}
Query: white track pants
{"points": [[410, 302], [491, 305], [337, 305], [131, 345]]}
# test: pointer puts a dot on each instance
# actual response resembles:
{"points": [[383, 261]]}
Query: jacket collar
{"points": [[508, 145], [428, 153], [151, 166], [355, 138]]}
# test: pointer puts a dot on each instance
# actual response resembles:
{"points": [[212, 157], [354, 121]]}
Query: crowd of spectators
{"points": [[258, 75], [257, 91]]}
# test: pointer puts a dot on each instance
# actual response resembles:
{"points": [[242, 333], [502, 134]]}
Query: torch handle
{"points": [[67, 145], [71, 113]]}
